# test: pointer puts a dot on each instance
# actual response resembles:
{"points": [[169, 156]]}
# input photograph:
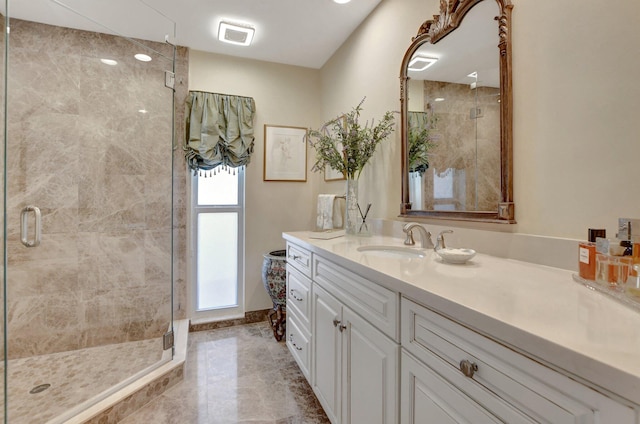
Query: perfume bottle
{"points": [[587, 254], [633, 284], [613, 270], [629, 232], [635, 257]]}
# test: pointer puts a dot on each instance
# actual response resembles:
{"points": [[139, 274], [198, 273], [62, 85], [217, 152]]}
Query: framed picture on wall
{"points": [[285, 153]]}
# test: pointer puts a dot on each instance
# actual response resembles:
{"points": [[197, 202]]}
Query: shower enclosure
{"points": [[87, 193]]}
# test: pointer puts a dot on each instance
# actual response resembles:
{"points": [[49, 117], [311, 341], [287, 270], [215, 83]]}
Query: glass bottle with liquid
{"points": [[635, 257], [587, 254], [633, 284]]}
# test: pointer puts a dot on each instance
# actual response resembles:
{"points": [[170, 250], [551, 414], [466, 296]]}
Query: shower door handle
{"points": [[25, 226]]}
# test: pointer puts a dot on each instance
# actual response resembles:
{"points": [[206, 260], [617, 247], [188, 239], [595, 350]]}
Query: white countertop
{"points": [[537, 310]]}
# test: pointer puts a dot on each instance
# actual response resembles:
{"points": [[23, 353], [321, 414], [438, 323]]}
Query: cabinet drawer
{"points": [[299, 258], [428, 397], [298, 342], [376, 304], [540, 393], [299, 296]]}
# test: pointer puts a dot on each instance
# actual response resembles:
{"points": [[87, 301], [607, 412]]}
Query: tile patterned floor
{"points": [[74, 376], [236, 375]]}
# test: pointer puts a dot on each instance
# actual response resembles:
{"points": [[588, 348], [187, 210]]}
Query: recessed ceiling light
{"points": [[420, 63], [439, 99], [143, 57], [143, 111], [341, 1], [236, 33], [109, 62]]}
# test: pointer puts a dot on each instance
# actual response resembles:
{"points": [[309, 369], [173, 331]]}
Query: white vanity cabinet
{"points": [[381, 342], [460, 376], [352, 362], [298, 335]]}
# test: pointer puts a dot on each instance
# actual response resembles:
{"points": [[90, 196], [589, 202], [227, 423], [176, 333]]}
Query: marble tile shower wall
{"points": [[462, 142], [100, 171], [180, 178]]}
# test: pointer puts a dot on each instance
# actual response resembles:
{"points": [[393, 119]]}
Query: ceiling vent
{"points": [[235, 33]]}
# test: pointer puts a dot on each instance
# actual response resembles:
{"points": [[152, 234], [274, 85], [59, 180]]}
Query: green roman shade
{"points": [[219, 130]]}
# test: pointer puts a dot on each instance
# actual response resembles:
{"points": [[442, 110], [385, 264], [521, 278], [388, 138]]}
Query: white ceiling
{"points": [[294, 32]]}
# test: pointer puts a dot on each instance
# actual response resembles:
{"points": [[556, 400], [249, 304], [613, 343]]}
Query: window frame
{"points": [[210, 315]]}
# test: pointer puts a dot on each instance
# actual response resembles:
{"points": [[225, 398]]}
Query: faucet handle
{"points": [[406, 228], [409, 241], [440, 239]]}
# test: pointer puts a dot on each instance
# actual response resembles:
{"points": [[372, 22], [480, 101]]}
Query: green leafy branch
{"points": [[345, 145]]}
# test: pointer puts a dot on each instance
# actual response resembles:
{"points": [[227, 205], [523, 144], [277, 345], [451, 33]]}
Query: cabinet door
{"points": [[429, 398], [326, 360], [370, 373]]}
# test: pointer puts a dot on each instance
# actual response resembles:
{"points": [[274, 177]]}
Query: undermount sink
{"points": [[393, 251]]}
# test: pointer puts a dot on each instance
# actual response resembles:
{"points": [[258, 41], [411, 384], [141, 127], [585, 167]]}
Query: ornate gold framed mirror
{"points": [[456, 115]]}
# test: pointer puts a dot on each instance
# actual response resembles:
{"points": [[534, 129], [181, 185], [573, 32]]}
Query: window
{"points": [[217, 288]]}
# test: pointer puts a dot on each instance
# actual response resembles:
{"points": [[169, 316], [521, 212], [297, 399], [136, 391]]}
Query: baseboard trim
{"points": [[249, 317]]}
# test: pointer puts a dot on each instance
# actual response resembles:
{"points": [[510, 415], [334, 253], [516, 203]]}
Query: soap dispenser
{"points": [[452, 256], [440, 240]]}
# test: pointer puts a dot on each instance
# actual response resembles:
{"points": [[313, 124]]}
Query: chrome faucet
{"points": [[425, 235]]}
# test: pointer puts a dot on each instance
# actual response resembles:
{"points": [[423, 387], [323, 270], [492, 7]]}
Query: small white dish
{"points": [[456, 256]]}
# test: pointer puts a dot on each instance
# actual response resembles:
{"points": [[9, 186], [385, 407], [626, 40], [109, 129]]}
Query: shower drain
{"points": [[40, 388]]}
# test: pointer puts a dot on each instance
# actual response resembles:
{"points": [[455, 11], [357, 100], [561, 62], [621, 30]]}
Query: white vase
{"points": [[351, 211]]}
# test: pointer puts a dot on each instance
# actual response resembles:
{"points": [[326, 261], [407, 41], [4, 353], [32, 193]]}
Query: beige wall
{"points": [[576, 95], [284, 95], [368, 64], [576, 101]]}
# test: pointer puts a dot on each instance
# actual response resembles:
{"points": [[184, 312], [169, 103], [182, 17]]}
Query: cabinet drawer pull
{"points": [[292, 293], [295, 257], [468, 368], [293, 343]]}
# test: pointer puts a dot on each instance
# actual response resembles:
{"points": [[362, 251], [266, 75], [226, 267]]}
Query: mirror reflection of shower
{"points": [[474, 114], [460, 123]]}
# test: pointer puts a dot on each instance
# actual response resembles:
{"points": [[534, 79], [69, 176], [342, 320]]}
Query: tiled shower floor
{"points": [[234, 375], [74, 376]]}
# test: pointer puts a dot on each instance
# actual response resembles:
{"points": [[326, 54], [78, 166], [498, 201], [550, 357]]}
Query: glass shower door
{"points": [[3, 126], [89, 167]]}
